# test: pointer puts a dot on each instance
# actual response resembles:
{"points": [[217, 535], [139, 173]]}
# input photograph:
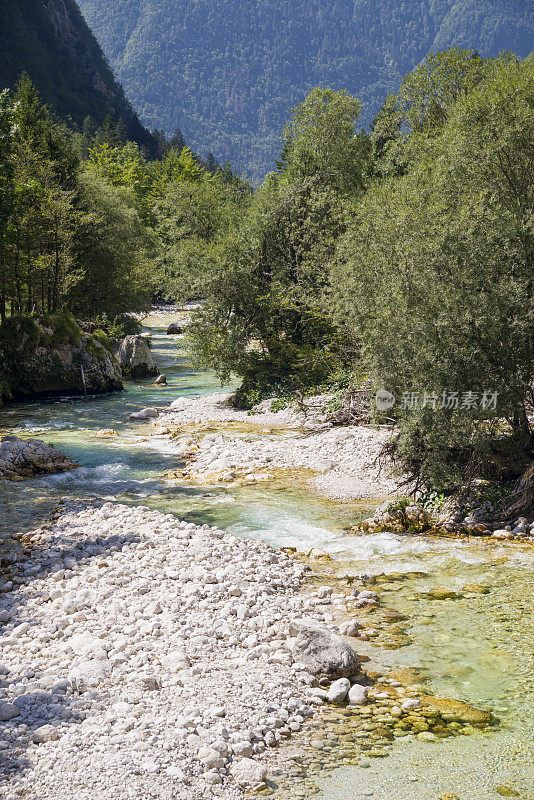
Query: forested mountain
{"points": [[50, 40], [228, 71]]}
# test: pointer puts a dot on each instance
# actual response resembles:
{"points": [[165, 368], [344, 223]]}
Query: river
{"points": [[478, 648]]}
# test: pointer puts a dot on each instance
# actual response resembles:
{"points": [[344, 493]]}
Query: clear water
{"points": [[478, 649]]}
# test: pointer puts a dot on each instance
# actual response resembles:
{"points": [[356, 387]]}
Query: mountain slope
{"points": [[228, 71], [51, 41]]}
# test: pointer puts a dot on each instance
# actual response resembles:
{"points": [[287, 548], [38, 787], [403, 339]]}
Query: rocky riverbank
{"points": [[147, 657], [144, 656], [344, 462]]}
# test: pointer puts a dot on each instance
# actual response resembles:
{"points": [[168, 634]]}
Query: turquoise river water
{"points": [[478, 649]]}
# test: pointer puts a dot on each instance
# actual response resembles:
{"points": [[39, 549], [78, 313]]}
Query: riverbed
{"points": [[477, 648]]}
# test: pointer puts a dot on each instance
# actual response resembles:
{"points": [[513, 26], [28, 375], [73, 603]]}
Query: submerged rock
{"points": [[26, 458], [456, 711], [325, 654], [135, 357]]}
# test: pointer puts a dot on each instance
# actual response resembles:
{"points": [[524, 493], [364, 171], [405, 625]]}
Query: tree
{"points": [[437, 281]]}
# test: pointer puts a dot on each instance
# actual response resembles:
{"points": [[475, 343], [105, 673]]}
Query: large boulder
{"points": [[323, 653], [175, 328], [51, 356], [25, 458], [135, 357]]}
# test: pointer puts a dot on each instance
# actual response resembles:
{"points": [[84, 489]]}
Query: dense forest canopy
{"points": [[50, 40], [229, 71]]}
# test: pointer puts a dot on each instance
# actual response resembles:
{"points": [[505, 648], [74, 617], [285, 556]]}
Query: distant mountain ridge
{"points": [[228, 71], [50, 40]]}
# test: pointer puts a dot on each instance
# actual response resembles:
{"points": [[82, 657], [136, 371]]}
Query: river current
{"points": [[478, 648]]}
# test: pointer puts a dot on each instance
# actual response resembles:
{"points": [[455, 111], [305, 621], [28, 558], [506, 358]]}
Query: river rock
{"points": [[26, 458], [338, 691], [358, 694], [43, 357], [145, 413], [442, 594], [248, 773], [161, 380], [46, 733], [456, 711], [175, 328], [135, 357], [324, 654], [350, 628]]}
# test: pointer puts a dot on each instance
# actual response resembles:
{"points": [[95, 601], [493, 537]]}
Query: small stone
{"points": [[442, 594], [46, 733], [242, 749], [324, 591], [338, 691], [145, 413], [506, 791], [358, 694], [427, 736], [409, 704], [350, 628], [502, 534]]}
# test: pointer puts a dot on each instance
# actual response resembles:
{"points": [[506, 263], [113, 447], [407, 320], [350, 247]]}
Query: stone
{"points": [[456, 711], [47, 362], [408, 676], [350, 628], [27, 458], [242, 749], [507, 791], [8, 711], [46, 733], [210, 757], [161, 380], [502, 534], [338, 691], [248, 773], [324, 654], [442, 594], [103, 433], [410, 704], [135, 357], [367, 595], [427, 736], [358, 694], [145, 413], [175, 328]]}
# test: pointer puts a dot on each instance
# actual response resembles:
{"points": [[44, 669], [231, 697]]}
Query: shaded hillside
{"points": [[51, 41], [228, 71]]}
